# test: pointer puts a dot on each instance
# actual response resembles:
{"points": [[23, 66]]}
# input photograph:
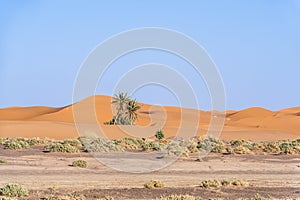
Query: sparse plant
{"points": [[130, 143], [3, 161], [80, 163], [222, 183], [72, 196], [100, 145], [159, 134], [16, 143], [153, 146], [154, 184], [13, 190], [239, 183], [65, 146], [177, 148], [108, 198], [179, 197], [199, 160], [22, 143], [210, 183], [256, 197]]}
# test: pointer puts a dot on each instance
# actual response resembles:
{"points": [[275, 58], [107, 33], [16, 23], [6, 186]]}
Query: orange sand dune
{"points": [[59, 123]]}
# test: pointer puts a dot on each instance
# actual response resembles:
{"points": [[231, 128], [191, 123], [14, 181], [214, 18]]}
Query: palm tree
{"points": [[132, 108], [121, 101]]}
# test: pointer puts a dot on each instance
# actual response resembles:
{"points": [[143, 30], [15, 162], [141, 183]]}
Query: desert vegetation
{"points": [[154, 184], [222, 183], [64, 146], [13, 190], [170, 147], [22, 143], [189, 197], [126, 110], [80, 163]]}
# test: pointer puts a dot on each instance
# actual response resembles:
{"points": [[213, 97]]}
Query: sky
{"points": [[255, 46]]}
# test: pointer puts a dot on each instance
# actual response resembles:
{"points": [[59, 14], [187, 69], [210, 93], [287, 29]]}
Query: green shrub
{"points": [[153, 146], [2, 140], [100, 145], [13, 190], [179, 197], [159, 134], [3, 161], [177, 148], [207, 144], [223, 183], [66, 146], [257, 197], [22, 143], [16, 143], [7, 198], [154, 184], [74, 196], [210, 183], [239, 183], [80, 163], [107, 198], [130, 143]]}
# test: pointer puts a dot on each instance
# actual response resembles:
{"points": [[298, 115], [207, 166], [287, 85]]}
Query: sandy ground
{"points": [[275, 175], [89, 114]]}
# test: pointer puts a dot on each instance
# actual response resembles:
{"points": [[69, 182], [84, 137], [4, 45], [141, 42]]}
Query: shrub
{"points": [[6, 198], [74, 196], [153, 146], [239, 183], [179, 197], [13, 190], [3, 161], [207, 144], [159, 134], [22, 143], [257, 197], [223, 183], [210, 183], [66, 146], [130, 143], [16, 143], [241, 150], [80, 163], [107, 198], [100, 145], [154, 184], [177, 148], [2, 140]]}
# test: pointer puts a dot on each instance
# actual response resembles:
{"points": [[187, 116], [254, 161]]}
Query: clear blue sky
{"points": [[255, 45]]}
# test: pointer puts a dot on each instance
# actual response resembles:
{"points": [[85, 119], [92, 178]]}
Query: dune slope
{"points": [[89, 115]]}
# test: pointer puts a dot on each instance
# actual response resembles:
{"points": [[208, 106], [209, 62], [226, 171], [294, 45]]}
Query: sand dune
{"points": [[252, 123]]}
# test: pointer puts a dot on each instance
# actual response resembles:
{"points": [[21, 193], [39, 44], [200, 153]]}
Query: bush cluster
{"points": [[21, 143], [222, 183], [179, 197], [64, 146], [80, 163], [154, 184], [100, 145], [13, 190]]}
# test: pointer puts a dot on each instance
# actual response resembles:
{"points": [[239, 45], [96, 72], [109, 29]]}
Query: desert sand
{"points": [[58, 123]]}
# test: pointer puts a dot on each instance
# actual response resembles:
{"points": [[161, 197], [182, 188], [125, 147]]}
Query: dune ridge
{"points": [[252, 123]]}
